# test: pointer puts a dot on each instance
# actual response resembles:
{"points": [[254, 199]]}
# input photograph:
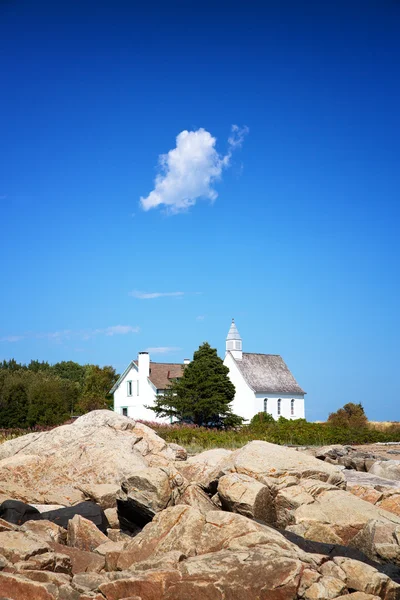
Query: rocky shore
{"points": [[263, 522]]}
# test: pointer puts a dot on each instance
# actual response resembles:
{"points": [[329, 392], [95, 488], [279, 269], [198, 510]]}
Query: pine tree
{"points": [[203, 394]]}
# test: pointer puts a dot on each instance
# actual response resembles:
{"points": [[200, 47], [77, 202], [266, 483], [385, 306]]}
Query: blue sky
{"points": [[291, 227]]}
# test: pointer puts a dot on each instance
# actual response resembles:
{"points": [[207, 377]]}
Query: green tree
{"points": [[351, 416], [70, 370], [50, 400], [11, 365], [14, 399], [96, 387], [36, 366], [203, 394]]}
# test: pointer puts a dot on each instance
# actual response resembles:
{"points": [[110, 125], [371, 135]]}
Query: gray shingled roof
{"points": [[268, 373]]}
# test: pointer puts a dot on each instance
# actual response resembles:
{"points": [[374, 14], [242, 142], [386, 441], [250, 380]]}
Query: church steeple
{"points": [[234, 342]]}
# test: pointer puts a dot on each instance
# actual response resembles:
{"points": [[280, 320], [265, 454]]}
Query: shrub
{"points": [[351, 415]]}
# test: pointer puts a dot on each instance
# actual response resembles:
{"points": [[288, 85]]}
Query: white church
{"points": [[263, 382]]}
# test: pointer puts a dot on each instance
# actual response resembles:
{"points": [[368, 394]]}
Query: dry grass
{"points": [[384, 425]]}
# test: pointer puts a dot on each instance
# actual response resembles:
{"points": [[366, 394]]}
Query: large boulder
{"points": [[244, 495], [206, 468], [277, 465], [17, 545], [100, 447], [323, 513], [194, 495], [185, 529], [84, 534], [388, 469]]}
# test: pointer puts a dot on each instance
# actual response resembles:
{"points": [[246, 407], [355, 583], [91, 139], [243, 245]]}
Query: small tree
{"points": [[203, 394], [351, 415]]}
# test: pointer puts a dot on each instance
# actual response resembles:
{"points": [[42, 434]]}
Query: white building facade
{"points": [[139, 385], [263, 382]]}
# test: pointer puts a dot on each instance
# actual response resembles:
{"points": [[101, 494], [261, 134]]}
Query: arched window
{"points": [[279, 406], [265, 404], [292, 406]]}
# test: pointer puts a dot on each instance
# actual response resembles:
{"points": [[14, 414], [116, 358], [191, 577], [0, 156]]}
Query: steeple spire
{"points": [[234, 342]]}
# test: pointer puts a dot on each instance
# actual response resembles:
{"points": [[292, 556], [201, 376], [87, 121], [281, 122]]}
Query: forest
{"points": [[41, 394]]}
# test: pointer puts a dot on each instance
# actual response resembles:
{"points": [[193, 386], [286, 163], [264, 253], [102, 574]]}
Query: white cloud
{"points": [[67, 334], [200, 318], [118, 330], [12, 338], [190, 170], [162, 349], [151, 295]]}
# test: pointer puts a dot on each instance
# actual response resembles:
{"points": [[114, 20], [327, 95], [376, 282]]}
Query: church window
{"points": [[279, 406], [265, 404], [292, 406], [129, 386], [125, 411]]}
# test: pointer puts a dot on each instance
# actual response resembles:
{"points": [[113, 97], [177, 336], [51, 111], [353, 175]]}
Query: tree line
{"points": [[43, 394]]}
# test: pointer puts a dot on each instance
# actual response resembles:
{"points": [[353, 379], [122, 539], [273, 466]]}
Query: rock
{"points": [[153, 448], [343, 513], [369, 494], [48, 531], [112, 517], [205, 468], [150, 487], [245, 574], [15, 587], [180, 453], [116, 535], [82, 561], [84, 582], [17, 545], [169, 560], [327, 587], [379, 541], [388, 469], [111, 547], [272, 464], [148, 586], [100, 447], [391, 504], [244, 495], [357, 596], [193, 495], [103, 494], [186, 530], [49, 561], [57, 579], [133, 514], [334, 451], [363, 578], [369, 480], [143, 494], [84, 535]]}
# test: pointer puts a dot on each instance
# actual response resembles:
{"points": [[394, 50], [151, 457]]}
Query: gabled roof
{"points": [[161, 374], [267, 373], [116, 385]]}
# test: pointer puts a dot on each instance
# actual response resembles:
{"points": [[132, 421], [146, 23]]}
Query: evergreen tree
{"points": [[203, 394]]}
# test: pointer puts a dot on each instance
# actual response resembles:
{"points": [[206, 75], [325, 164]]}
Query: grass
{"points": [[284, 432]]}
